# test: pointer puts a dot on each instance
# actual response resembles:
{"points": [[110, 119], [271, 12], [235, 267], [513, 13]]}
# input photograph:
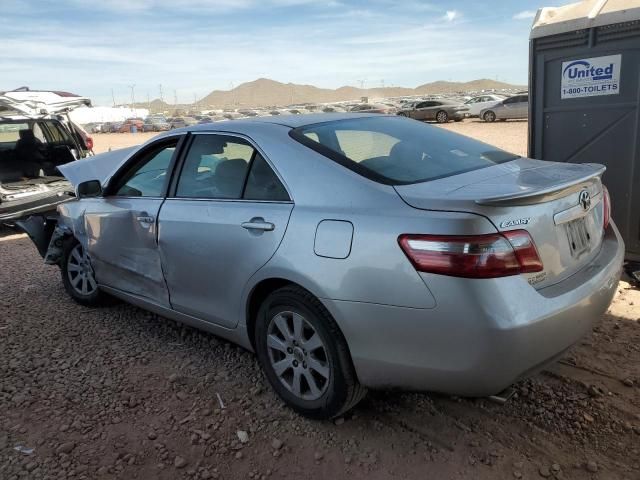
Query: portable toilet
{"points": [[584, 87]]}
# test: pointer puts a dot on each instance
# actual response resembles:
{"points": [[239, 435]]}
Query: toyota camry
{"points": [[348, 251]]}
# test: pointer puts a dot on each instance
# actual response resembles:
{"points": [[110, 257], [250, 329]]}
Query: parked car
{"points": [[204, 120], [129, 123], [93, 127], [37, 137], [441, 111], [333, 109], [479, 103], [457, 267], [515, 107], [111, 127], [177, 122], [372, 108], [155, 124]]}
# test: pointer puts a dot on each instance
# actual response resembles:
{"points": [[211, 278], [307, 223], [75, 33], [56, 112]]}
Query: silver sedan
{"points": [[348, 251]]}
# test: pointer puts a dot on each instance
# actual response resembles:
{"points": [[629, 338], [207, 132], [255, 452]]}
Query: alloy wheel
{"points": [[442, 117], [298, 355], [80, 273]]}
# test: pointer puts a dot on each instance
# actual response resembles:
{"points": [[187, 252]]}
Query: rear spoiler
{"points": [[545, 194]]}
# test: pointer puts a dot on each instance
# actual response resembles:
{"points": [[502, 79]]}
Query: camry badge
{"points": [[514, 222]]}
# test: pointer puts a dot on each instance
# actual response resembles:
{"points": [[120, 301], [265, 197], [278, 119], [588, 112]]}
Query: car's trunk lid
{"points": [[36, 104], [546, 199]]}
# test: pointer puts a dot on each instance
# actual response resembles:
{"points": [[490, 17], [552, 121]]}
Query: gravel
{"points": [[118, 392]]}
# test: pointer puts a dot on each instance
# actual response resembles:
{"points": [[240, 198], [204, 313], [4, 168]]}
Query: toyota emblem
{"points": [[584, 199]]}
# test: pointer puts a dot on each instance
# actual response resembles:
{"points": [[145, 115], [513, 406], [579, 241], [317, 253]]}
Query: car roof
{"points": [[292, 121]]}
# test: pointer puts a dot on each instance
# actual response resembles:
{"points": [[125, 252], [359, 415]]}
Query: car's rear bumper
{"points": [[478, 339], [10, 212]]}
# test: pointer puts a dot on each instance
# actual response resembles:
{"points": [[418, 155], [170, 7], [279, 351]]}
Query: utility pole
{"points": [[113, 98], [161, 94], [133, 96], [175, 97], [148, 102]]}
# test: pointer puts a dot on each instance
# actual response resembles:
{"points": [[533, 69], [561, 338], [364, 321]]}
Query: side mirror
{"points": [[89, 189]]}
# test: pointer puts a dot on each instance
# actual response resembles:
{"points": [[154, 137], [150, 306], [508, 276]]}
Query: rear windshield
{"points": [[398, 151]]}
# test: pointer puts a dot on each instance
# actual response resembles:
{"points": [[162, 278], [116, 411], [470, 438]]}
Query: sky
{"points": [[191, 47]]}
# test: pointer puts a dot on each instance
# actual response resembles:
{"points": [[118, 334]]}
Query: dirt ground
{"points": [[121, 393]]}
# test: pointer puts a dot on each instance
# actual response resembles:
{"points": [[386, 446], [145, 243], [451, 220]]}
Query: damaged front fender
{"points": [[55, 250], [47, 235]]}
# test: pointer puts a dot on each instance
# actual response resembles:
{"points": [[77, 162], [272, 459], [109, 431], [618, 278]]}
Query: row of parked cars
{"points": [[488, 107]]}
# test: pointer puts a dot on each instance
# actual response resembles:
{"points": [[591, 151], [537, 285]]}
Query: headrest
{"points": [[232, 168], [26, 134]]}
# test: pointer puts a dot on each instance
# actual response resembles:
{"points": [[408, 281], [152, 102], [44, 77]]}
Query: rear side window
{"points": [[398, 151], [10, 132], [227, 167], [263, 184], [215, 167]]}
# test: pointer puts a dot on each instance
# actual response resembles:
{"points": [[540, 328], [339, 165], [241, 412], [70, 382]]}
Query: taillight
{"points": [[474, 256], [606, 207], [88, 141]]}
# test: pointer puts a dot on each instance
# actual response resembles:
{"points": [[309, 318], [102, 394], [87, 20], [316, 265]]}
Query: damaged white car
{"points": [[36, 137]]}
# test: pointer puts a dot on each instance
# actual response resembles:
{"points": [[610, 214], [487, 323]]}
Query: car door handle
{"points": [[258, 225], [145, 218]]}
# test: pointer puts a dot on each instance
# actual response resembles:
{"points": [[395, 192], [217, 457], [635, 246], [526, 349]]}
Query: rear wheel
{"points": [[489, 116], [77, 275], [442, 117], [304, 355]]}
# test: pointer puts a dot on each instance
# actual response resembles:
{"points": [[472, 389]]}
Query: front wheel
{"points": [[77, 275], [305, 356]]}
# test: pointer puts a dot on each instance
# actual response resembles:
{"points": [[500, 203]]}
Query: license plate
{"points": [[578, 236]]}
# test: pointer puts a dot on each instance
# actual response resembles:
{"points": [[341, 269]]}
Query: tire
{"points": [[327, 364], [489, 116], [78, 277], [457, 119], [402, 114], [442, 117]]}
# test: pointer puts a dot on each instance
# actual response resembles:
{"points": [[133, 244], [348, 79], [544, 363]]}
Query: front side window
{"points": [[398, 151], [148, 176]]}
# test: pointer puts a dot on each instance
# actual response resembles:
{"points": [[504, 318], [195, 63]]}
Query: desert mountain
{"points": [[264, 92]]}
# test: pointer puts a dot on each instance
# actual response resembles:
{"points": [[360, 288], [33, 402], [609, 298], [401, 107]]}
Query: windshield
{"points": [[398, 151]]}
